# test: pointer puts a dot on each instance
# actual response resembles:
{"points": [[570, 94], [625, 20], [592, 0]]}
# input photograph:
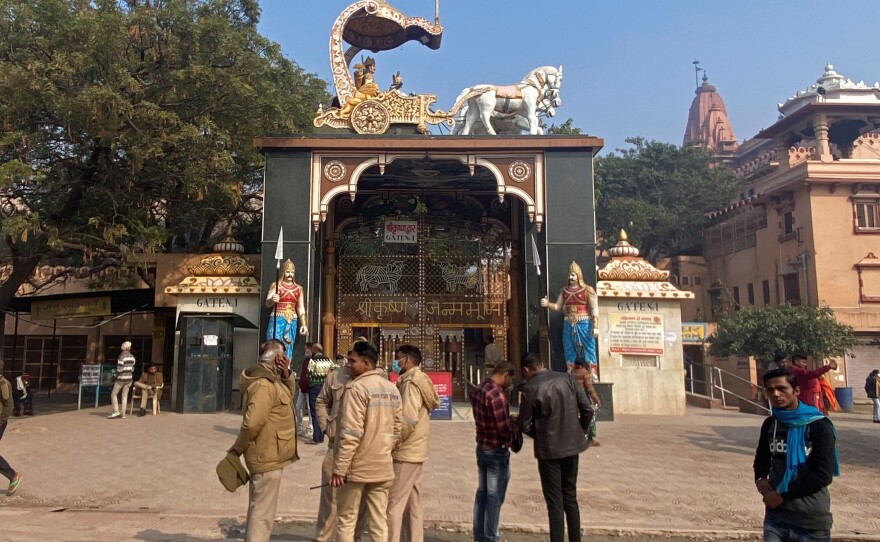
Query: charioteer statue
{"points": [[580, 305], [286, 300]]}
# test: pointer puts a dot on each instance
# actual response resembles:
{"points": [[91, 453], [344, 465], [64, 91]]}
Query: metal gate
{"points": [[422, 275]]}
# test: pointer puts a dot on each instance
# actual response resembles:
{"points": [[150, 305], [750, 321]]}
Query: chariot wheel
{"points": [[370, 117]]}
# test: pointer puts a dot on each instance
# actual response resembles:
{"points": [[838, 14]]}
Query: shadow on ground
{"points": [[742, 440]]}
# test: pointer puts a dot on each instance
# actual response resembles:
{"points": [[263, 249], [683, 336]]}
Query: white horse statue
{"points": [[521, 99], [511, 123]]}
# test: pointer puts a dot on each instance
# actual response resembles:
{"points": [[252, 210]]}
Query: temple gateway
{"points": [[400, 234]]}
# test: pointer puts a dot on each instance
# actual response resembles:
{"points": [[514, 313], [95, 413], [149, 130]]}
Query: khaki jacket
{"points": [[268, 430], [329, 399], [6, 402], [369, 426], [419, 398]]}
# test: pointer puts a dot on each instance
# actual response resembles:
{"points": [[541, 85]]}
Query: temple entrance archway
{"points": [[428, 269]]}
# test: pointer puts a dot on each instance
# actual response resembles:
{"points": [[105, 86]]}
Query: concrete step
{"points": [[703, 401]]}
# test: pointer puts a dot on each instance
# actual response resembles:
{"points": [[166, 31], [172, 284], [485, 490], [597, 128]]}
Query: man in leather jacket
{"points": [[556, 413]]}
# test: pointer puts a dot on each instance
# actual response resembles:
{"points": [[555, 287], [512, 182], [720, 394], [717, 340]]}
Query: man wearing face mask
{"points": [[418, 398]]}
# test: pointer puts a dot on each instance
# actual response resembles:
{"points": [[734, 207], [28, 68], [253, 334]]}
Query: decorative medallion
{"points": [[334, 170], [370, 117], [519, 171]]}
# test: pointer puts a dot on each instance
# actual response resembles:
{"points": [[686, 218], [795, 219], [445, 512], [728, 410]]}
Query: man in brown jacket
{"points": [[150, 383], [369, 426], [6, 404], [419, 398], [267, 437], [327, 409]]}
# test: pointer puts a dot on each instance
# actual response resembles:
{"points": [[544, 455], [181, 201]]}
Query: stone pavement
{"points": [[152, 478]]}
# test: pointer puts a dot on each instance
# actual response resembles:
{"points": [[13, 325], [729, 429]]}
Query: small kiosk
{"points": [[216, 336], [640, 344]]}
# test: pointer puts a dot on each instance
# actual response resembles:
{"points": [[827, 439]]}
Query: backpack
{"points": [[318, 368], [871, 387]]}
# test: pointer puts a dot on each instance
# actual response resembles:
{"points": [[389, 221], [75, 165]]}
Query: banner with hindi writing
{"points": [[635, 334], [401, 231]]}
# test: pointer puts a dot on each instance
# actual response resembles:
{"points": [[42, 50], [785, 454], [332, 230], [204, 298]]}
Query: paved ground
{"points": [[152, 478]]}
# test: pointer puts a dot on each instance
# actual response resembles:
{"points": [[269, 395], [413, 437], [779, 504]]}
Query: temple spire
{"points": [[708, 125]]}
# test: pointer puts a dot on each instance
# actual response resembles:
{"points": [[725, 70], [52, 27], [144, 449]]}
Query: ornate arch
{"points": [[519, 175]]}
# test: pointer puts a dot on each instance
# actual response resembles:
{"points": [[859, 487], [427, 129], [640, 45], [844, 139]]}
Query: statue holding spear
{"points": [[286, 298]]}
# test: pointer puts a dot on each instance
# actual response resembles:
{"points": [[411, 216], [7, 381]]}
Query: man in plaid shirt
{"points": [[495, 432]]}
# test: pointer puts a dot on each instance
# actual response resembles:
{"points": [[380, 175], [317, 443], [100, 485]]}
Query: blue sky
{"points": [[627, 64]]}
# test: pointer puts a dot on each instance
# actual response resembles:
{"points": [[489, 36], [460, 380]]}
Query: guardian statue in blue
{"points": [[286, 300]]}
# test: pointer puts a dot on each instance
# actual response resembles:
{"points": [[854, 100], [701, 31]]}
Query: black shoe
{"points": [[142, 412]]}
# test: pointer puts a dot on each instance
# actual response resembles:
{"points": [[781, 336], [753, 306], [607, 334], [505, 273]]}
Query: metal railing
{"points": [[709, 380]]}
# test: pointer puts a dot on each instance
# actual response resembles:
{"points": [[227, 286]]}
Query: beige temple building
{"points": [[805, 227]]}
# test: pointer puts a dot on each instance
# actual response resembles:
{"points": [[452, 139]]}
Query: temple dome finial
{"points": [[623, 248]]}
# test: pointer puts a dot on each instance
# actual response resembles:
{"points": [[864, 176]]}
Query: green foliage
{"points": [[660, 194], [764, 332], [127, 126], [566, 127]]}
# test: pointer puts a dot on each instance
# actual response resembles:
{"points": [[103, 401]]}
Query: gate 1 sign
{"points": [[443, 384], [401, 231]]}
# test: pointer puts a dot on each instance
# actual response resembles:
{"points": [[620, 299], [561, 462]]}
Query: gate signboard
{"points": [[90, 375], [401, 231], [94, 376], [443, 384], [636, 334]]}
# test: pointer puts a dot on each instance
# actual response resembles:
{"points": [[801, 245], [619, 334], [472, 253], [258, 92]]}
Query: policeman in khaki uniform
{"points": [[327, 409]]}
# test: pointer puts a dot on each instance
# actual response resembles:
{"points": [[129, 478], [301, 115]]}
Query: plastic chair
{"points": [[136, 394]]}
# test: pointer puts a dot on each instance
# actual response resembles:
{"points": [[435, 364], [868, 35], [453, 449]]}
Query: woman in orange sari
{"points": [[830, 402]]}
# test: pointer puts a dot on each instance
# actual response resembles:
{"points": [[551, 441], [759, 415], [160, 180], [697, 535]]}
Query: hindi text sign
{"points": [[90, 375], [693, 332], [401, 231], [70, 308], [636, 334]]}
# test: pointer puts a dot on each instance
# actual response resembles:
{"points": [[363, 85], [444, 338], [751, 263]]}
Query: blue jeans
{"points": [[781, 532], [494, 468], [876, 409], [317, 435]]}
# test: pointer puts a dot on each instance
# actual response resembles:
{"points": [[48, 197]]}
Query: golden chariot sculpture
{"points": [[374, 25]]}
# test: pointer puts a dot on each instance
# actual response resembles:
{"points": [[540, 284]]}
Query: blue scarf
{"points": [[797, 421]]}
